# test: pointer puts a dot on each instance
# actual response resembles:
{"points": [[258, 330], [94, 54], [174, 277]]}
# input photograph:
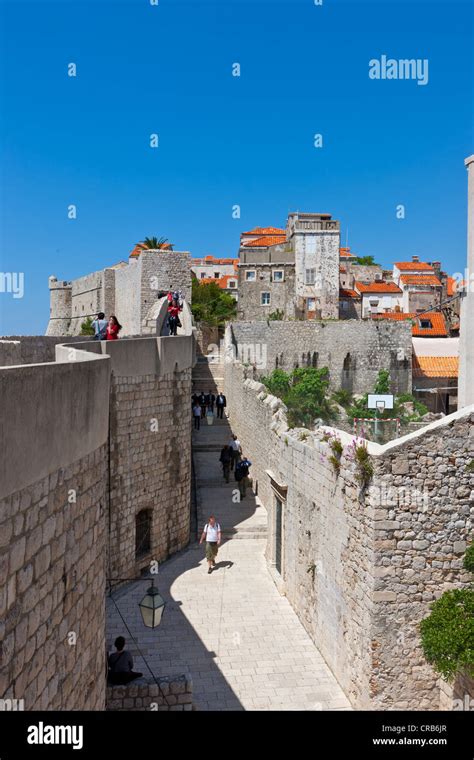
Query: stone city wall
{"points": [[361, 566], [353, 351], [168, 695], [31, 349], [150, 447], [53, 534]]}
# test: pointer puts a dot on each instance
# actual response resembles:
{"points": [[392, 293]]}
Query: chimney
{"points": [[415, 259], [437, 267]]}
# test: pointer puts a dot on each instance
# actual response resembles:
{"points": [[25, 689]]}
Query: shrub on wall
{"points": [[447, 634]]}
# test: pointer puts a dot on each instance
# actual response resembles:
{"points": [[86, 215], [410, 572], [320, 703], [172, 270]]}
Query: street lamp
{"points": [[151, 607]]}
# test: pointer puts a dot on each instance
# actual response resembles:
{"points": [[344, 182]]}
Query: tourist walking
{"points": [[241, 475], [197, 416], [236, 449], [100, 326], [202, 401], [221, 402], [121, 664], [113, 328], [210, 400], [226, 460], [212, 535], [173, 317]]}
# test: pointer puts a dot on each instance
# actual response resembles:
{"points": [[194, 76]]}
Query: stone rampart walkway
{"points": [[239, 639]]}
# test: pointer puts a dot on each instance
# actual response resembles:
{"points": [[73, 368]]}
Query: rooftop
{"points": [[420, 279], [265, 241], [380, 286], [435, 366], [438, 327], [413, 266]]}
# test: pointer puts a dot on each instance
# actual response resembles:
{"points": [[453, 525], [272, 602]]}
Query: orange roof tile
{"points": [[222, 282], [420, 279], [377, 287], [266, 231], [137, 250], [265, 241], [345, 253], [435, 366], [347, 293], [438, 322], [414, 266], [453, 286]]}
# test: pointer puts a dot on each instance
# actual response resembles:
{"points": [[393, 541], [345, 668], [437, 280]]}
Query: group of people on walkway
{"points": [[233, 460], [106, 329], [203, 404], [175, 306]]}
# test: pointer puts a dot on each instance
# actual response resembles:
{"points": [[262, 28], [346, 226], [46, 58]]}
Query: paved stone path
{"points": [[240, 640]]}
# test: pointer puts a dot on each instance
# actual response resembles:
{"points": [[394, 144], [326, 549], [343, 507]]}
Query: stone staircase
{"points": [[208, 375]]}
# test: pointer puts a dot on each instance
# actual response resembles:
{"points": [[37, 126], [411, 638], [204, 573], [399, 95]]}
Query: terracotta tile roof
{"points": [[207, 260], [265, 241], [413, 266], [435, 366], [453, 286], [347, 293], [266, 231], [420, 279], [377, 287], [223, 281], [438, 322], [345, 253]]}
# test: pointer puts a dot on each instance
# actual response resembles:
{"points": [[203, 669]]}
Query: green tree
{"points": [[307, 398], [86, 327], [367, 261], [210, 304], [154, 243], [383, 382], [278, 383]]}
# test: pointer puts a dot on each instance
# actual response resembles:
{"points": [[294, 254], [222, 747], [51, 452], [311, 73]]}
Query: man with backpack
{"points": [[241, 475], [100, 326], [212, 534]]}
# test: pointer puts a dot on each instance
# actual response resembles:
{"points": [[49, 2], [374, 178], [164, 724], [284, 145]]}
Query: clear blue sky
{"points": [[225, 140]]}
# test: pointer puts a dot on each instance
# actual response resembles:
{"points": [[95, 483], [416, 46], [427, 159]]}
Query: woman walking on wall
{"points": [[113, 328]]}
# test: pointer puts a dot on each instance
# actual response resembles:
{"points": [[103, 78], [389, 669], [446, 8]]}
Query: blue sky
{"points": [[224, 140]]}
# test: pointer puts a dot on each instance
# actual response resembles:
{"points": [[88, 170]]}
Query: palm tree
{"points": [[155, 243]]}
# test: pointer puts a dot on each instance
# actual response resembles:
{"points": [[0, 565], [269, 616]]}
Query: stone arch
{"points": [[347, 373], [314, 360]]}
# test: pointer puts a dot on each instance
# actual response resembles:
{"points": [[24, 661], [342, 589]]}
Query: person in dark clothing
{"points": [[226, 460], [241, 475], [202, 403], [173, 317], [121, 664], [221, 402], [194, 400], [197, 416], [210, 400]]}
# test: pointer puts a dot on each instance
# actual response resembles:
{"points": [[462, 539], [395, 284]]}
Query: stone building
{"points": [[421, 284], [213, 267], [293, 271], [128, 290]]}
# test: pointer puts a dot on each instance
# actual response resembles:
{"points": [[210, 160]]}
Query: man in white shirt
{"points": [[236, 450], [212, 535]]}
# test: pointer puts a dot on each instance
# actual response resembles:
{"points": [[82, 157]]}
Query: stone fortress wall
{"points": [[128, 291], [75, 470], [361, 566], [354, 351]]}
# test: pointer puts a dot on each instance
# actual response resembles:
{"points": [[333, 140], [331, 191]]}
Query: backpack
{"points": [[241, 470]]}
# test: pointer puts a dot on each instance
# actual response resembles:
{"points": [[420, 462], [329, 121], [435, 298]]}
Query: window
{"points": [[310, 277], [278, 275], [142, 532], [203, 274], [231, 283], [217, 275], [311, 304], [426, 323], [378, 276], [265, 299], [251, 275]]}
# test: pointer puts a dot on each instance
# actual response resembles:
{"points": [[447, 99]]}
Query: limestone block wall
{"points": [[87, 299], [282, 294], [52, 534], [150, 446], [31, 349], [361, 566], [170, 694], [127, 297], [318, 251], [354, 351]]}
